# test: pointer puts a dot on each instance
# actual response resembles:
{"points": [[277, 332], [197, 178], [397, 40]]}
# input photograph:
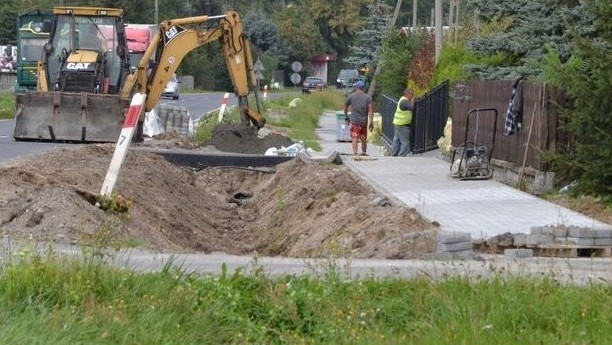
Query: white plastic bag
{"points": [[151, 126]]}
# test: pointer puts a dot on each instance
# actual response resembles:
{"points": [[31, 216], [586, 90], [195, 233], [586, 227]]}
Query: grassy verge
{"points": [[60, 301], [7, 105], [302, 120], [596, 208]]}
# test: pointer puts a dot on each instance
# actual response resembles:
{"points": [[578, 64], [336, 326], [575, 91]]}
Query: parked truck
{"points": [[139, 37]]}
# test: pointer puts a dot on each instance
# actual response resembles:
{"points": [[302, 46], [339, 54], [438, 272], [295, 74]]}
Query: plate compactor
{"points": [[472, 159]]}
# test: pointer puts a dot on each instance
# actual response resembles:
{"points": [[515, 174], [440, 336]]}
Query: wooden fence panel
{"points": [[538, 128]]}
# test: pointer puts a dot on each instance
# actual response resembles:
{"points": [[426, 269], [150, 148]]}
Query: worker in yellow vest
{"points": [[402, 120]]}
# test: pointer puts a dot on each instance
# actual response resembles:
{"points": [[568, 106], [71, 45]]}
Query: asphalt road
{"points": [[201, 103]]}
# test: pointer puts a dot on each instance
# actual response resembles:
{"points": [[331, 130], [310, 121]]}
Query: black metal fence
{"points": [[388, 109], [430, 116]]}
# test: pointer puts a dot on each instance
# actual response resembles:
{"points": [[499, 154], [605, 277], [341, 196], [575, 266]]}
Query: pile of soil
{"points": [[242, 139], [226, 137], [300, 209]]}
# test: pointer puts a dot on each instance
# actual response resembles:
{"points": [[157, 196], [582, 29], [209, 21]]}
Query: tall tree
{"points": [[262, 31], [589, 115], [299, 33], [369, 39], [338, 20]]}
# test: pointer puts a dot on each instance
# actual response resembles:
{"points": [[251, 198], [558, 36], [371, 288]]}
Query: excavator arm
{"points": [[177, 37]]}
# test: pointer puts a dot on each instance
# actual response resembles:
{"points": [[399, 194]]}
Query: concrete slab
{"points": [[482, 208]]}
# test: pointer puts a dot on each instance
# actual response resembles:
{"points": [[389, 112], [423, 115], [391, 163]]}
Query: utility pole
{"points": [[438, 27], [156, 12], [380, 60], [414, 16], [456, 19]]}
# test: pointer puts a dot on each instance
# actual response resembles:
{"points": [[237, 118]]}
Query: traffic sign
{"points": [[259, 67], [296, 78], [296, 66], [259, 75]]}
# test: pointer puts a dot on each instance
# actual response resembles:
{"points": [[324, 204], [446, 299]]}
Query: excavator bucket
{"points": [[256, 118], [69, 117]]}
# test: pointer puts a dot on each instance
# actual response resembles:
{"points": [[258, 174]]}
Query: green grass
{"points": [[7, 105], [50, 300], [304, 118]]}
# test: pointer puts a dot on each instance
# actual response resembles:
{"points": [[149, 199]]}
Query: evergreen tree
{"points": [[398, 51], [530, 26], [589, 117], [369, 40]]}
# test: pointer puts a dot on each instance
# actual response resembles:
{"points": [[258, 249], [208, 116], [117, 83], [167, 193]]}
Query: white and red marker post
{"points": [[223, 106], [123, 143], [265, 96]]}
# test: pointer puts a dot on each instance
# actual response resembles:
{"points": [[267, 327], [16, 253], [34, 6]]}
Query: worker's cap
{"points": [[360, 85]]}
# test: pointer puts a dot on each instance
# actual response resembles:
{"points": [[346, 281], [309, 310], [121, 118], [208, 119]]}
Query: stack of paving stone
{"points": [[569, 235], [174, 119], [455, 244], [550, 238]]}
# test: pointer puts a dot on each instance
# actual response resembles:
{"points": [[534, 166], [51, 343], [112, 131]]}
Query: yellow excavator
{"points": [[85, 81]]}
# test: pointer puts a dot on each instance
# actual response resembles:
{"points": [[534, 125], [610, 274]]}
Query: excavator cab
{"points": [[84, 66]]}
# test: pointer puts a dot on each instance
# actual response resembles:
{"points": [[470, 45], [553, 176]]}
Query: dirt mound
{"points": [[242, 139], [226, 137], [300, 210]]}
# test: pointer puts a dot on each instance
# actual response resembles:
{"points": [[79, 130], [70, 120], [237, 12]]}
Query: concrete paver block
{"points": [[580, 232], [454, 247], [520, 240], [539, 239], [602, 233], [518, 253], [541, 230], [581, 241], [605, 241], [560, 231], [453, 237]]}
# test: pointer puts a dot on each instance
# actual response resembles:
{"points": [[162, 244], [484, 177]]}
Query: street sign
{"points": [[296, 66], [259, 75], [259, 67], [296, 78]]}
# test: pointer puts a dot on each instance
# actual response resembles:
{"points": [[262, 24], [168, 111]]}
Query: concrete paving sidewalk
{"points": [[482, 208]]}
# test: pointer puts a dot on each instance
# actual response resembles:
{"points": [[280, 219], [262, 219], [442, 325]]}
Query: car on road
{"points": [[347, 78], [172, 88], [313, 84]]}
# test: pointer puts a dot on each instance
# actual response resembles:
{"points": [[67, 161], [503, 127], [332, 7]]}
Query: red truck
{"points": [[139, 37]]}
